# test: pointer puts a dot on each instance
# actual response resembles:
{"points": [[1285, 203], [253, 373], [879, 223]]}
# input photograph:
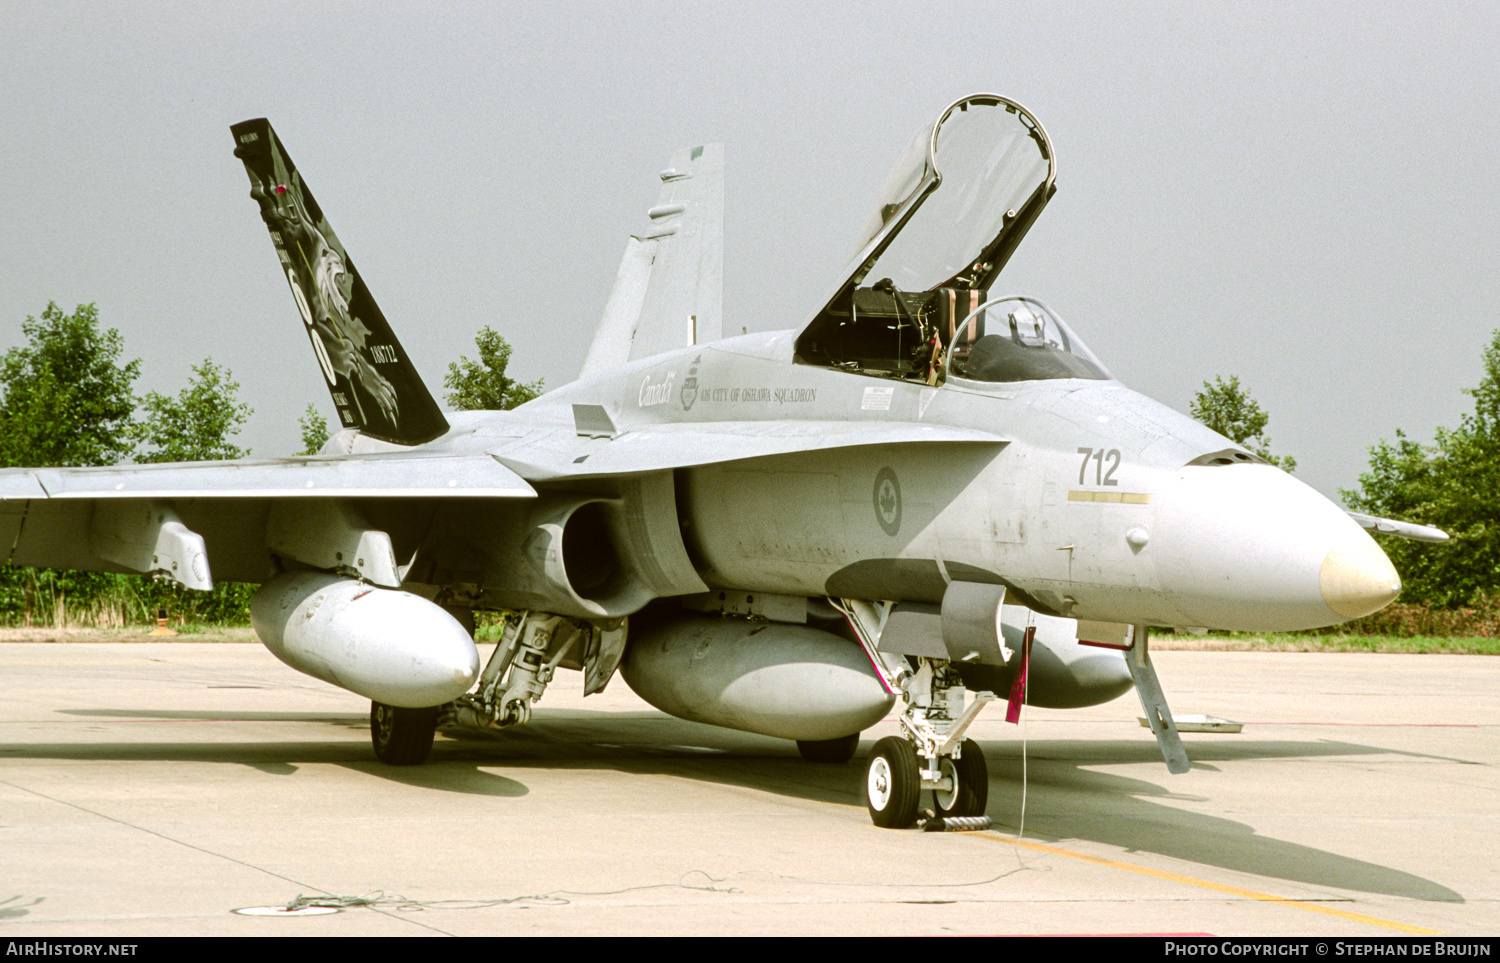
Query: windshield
{"points": [[1018, 339]]}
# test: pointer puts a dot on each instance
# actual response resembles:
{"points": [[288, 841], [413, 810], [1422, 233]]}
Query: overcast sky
{"points": [[1303, 195]]}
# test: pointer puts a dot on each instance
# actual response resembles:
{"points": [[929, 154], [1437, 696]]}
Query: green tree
{"points": [[314, 430], [1453, 484], [68, 399], [198, 423], [1227, 408], [482, 385]]}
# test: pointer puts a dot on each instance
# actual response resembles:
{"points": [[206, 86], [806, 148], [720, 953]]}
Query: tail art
{"points": [[374, 385]]}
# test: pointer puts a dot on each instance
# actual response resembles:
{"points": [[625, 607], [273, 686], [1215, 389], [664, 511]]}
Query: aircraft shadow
{"points": [[1065, 800], [214, 715]]}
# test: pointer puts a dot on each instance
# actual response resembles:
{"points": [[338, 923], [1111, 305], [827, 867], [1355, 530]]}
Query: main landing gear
{"points": [[529, 652], [931, 754], [517, 674], [836, 751], [402, 737]]}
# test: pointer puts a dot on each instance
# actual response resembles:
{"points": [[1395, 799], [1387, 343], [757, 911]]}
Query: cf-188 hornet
{"points": [[928, 495]]}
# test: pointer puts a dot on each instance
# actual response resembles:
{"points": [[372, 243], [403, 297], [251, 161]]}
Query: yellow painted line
{"points": [[1208, 885], [1111, 498]]}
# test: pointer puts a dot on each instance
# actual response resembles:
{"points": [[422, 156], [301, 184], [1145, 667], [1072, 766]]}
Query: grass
{"points": [[1307, 642], [130, 633]]}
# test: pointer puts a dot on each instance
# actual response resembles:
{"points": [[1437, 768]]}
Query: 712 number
{"points": [[1099, 456]]}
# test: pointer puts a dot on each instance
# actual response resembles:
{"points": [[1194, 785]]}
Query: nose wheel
{"points": [[968, 779], [894, 780], [893, 783]]}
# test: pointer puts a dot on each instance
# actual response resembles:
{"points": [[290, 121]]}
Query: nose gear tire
{"points": [[893, 784], [971, 783]]}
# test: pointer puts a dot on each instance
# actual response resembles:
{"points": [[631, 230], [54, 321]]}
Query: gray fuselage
{"points": [[1085, 498]]}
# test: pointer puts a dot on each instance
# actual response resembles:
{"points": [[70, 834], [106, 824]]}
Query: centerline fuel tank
{"points": [[772, 678]]}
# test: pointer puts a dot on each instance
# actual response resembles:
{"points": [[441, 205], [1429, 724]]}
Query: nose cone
{"points": [[1249, 548], [1357, 579]]}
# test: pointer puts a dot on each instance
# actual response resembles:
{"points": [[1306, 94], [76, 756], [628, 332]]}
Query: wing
{"points": [[1409, 530], [407, 475], [668, 292], [234, 520]]}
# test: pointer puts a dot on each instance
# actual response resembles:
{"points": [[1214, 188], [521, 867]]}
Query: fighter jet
{"points": [[930, 494]]}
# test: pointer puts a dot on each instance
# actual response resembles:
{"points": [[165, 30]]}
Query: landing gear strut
{"points": [[530, 650]]}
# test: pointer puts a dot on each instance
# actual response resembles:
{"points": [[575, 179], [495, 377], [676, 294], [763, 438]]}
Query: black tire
{"points": [[893, 783], [839, 750], [972, 794], [402, 737]]}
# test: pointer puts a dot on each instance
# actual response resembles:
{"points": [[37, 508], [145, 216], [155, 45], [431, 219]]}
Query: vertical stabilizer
{"points": [[668, 293], [374, 385], [611, 347]]}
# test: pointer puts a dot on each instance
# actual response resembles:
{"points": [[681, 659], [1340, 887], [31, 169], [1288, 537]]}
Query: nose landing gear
{"points": [[932, 753]]}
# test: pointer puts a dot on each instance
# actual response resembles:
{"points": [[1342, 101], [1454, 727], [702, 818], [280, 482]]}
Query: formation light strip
{"points": [[1112, 498]]}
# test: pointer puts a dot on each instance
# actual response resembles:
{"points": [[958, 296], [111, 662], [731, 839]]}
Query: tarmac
{"points": [[152, 789]]}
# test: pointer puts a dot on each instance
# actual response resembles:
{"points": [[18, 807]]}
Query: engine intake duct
{"points": [[594, 556]]}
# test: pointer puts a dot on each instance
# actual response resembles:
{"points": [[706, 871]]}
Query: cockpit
{"points": [[913, 303], [1017, 339]]}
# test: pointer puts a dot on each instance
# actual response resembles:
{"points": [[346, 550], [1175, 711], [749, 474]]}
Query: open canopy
{"points": [[958, 202]]}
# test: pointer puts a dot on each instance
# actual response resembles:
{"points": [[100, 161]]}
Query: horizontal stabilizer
{"points": [[1389, 526]]}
